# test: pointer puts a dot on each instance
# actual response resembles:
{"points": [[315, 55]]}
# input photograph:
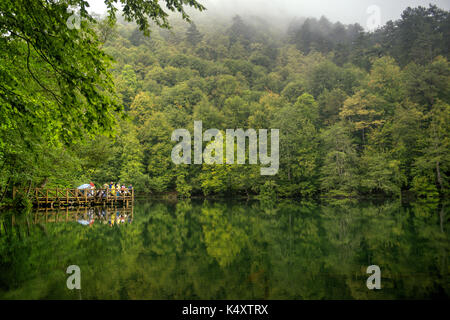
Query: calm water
{"points": [[227, 250]]}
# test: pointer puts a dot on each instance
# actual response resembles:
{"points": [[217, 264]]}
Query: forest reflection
{"points": [[227, 250]]}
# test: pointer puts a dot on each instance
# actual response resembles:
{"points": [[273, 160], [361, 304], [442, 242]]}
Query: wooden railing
{"points": [[51, 197]]}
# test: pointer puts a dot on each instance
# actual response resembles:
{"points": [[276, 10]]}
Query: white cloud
{"points": [[97, 6], [345, 11]]}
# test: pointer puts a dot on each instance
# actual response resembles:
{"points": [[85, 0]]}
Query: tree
{"points": [[293, 90], [385, 83], [299, 147], [239, 32], [339, 170], [425, 84], [193, 36], [363, 112], [330, 104], [421, 34], [308, 108], [379, 172], [127, 86], [434, 161], [55, 81], [132, 169]]}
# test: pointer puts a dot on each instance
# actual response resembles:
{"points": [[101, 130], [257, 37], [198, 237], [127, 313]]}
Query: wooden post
{"points": [[67, 196], [46, 197], [14, 192]]}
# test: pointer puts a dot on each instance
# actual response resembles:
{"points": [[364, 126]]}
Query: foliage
{"points": [[359, 113]]}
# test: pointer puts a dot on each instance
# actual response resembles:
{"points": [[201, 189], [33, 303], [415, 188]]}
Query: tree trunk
{"points": [[6, 189], [43, 183], [438, 173], [29, 187]]}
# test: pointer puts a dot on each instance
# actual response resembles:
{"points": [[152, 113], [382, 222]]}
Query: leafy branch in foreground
{"points": [[55, 82]]}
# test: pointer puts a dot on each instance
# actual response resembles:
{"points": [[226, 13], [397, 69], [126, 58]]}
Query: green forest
{"points": [[360, 113]]}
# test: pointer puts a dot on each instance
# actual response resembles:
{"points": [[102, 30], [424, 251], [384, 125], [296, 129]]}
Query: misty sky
{"points": [[345, 11]]}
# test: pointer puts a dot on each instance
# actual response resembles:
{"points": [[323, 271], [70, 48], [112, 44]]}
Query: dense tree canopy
{"points": [[55, 83], [359, 113]]}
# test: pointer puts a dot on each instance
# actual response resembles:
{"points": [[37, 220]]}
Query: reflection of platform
{"points": [[106, 215], [74, 197]]}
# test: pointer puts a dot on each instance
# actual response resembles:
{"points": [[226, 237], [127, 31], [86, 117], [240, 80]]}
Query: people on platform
{"points": [[91, 189], [113, 189]]}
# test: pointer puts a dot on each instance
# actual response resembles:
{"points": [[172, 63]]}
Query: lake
{"points": [[228, 250]]}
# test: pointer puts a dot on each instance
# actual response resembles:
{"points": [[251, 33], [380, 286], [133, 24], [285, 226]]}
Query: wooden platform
{"points": [[57, 197]]}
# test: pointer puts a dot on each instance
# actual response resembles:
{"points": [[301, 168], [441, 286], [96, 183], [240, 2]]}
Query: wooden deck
{"points": [[58, 197]]}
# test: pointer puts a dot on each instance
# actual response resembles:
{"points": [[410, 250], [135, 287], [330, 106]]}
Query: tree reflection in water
{"points": [[227, 250]]}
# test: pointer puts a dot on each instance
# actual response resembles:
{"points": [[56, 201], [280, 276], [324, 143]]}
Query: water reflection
{"points": [[83, 215], [228, 250]]}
